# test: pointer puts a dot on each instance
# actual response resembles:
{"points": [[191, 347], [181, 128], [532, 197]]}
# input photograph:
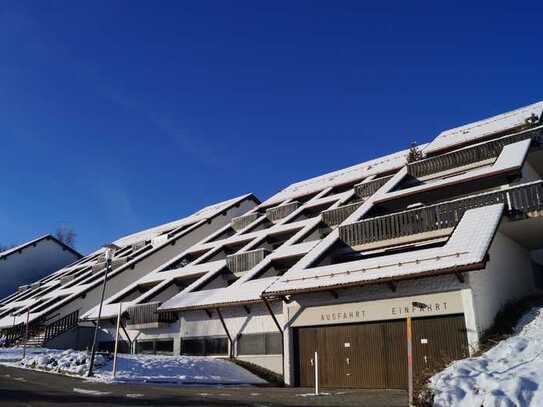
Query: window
{"points": [[164, 346], [155, 346], [146, 347], [206, 346], [260, 344]]}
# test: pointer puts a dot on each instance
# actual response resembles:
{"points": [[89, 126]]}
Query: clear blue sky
{"points": [[116, 116]]}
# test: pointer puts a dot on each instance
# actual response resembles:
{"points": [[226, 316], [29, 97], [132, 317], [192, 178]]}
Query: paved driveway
{"points": [[20, 387]]}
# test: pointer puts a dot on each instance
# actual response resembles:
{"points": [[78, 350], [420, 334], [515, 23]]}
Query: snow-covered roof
{"points": [[356, 172], [48, 236], [483, 128], [246, 293], [204, 213], [467, 247]]}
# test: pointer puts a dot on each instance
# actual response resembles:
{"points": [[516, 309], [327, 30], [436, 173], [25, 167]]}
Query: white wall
{"points": [[508, 276]]}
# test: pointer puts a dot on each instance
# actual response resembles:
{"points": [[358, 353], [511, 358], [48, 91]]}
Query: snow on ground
{"points": [[134, 368], [508, 375]]}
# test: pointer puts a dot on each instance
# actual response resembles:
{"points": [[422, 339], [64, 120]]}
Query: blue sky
{"points": [[120, 115]]}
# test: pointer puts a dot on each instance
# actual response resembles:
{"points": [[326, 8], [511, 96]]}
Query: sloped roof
{"points": [[356, 172], [482, 128], [467, 247], [204, 213], [246, 293], [48, 236]]}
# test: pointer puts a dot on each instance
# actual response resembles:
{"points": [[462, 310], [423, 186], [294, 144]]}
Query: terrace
{"points": [[439, 220]]}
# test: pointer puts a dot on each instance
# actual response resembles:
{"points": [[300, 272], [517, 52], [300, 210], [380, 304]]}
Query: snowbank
{"points": [[508, 375], [134, 368]]}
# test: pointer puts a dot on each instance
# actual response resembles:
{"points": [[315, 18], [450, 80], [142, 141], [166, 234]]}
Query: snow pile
{"points": [[510, 374], [15, 354], [134, 368], [68, 361]]}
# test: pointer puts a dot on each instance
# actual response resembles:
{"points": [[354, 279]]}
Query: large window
{"points": [[260, 344], [155, 347], [204, 346]]}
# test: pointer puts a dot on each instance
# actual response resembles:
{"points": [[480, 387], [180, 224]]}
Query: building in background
{"points": [[30, 261]]}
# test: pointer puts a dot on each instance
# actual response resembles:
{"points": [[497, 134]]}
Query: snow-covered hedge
{"points": [[68, 361]]}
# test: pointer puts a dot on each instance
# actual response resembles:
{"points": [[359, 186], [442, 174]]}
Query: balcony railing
{"points": [[282, 211], [521, 202], [469, 155], [367, 189], [147, 316], [241, 222], [336, 216], [239, 263]]}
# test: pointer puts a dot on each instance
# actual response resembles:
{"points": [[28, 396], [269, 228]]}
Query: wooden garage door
{"points": [[374, 355]]}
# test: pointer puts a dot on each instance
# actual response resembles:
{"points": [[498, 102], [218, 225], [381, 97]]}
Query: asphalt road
{"points": [[20, 387]]}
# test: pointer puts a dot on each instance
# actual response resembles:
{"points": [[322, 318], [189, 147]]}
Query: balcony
{"points": [[481, 154], [241, 222], [240, 263], [438, 221], [334, 217], [366, 189], [277, 213], [146, 316]]}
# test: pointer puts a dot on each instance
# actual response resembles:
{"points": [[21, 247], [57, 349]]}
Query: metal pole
{"points": [[117, 340], [97, 327], [409, 359], [26, 332], [316, 373]]}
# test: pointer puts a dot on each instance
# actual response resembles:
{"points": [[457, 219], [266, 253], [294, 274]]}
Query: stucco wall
{"points": [[508, 276]]}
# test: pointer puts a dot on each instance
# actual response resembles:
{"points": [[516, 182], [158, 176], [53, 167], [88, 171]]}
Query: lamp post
{"points": [[109, 253]]}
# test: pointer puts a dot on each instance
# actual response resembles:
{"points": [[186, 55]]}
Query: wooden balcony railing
{"points": [[239, 263], [148, 314], [336, 216], [367, 189], [469, 155], [521, 201], [241, 222], [282, 211]]}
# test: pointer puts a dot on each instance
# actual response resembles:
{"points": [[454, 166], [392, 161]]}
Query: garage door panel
{"points": [[374, 355], [365, 364], [396, 354]]}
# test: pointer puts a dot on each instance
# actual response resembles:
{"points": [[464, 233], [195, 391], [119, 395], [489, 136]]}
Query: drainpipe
{"points": [[276, 322]]}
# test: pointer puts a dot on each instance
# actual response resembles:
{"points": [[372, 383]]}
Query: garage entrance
{"points": [[374, 355]]}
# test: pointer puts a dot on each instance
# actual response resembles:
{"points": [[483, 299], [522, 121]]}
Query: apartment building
{"points": [[52, 305], [336, 263], [30, 261]]}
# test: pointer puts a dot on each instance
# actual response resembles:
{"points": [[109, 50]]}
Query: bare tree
{"points": [[66, 235]]}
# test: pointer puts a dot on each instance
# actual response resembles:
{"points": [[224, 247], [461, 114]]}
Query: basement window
{"points": [[155, 346], [204, 346], [260, 344]]}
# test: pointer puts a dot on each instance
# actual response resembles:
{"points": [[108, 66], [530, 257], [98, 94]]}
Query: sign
{"points": [[394, 308]]}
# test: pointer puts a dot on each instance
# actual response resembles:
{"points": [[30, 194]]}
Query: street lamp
{"points": [[109, 253]]}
